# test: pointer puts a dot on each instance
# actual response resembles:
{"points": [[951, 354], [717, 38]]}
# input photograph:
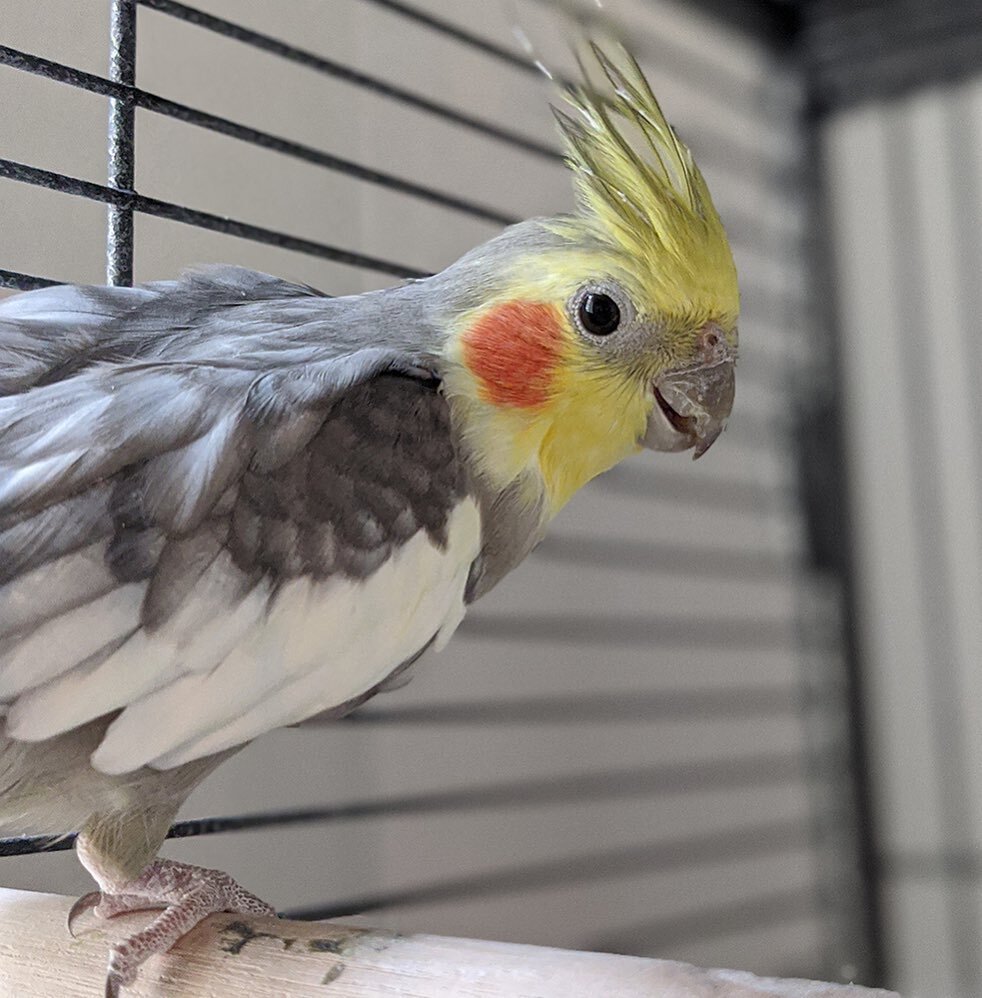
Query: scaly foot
{"points": [[188, 895]]}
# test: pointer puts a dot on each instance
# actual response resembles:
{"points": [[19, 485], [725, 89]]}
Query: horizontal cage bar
{"points": [[753, 771], [622, 631], [61, 73], [647, 706], [765, 840], [756, 912], [23, 173], [25, 282], [320, 64], [701, 73], [640, 555]]}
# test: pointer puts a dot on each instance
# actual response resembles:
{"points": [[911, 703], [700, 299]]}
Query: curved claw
{"points": [[114, 983], [82, 905]]}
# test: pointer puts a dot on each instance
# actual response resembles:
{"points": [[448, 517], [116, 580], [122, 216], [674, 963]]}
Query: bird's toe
{"points": [[187, 894]]}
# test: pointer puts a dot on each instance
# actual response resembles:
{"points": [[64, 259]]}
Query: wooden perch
{"points": [[268, 958]]}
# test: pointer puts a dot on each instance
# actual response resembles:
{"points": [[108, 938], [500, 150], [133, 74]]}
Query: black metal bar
{"points": [[318, 157], [726, 774], [122, 69], [61, 73], [831, 515], [25, 282], [732, 496], [654, 556], [320, 64], [696, 67], [202, 219], [714, 146], [641, 706], [459, 34], [615, 631], [27, 62], [703, 73], [760, 841], [28, 845], [757, 912]]}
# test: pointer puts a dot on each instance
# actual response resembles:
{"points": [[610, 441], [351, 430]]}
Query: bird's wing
{"points": [[213, 552]]}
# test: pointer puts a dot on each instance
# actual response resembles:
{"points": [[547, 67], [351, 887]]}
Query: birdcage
{"points": [[653, 739]]}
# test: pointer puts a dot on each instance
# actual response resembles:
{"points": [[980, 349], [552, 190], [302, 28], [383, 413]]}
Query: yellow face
{"points": [[563, 367]]}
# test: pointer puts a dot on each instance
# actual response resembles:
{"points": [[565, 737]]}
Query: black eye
{"points": [[599, 314]]}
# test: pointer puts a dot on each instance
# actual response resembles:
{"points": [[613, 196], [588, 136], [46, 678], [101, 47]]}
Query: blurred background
{"points": [[728, 712]]}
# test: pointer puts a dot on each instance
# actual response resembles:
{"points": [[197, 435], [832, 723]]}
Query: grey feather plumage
{"points": [[230, 381]]}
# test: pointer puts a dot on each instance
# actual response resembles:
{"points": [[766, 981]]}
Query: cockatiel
{"points": [[229, 503]]}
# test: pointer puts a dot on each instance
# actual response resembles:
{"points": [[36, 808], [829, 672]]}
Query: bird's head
{"points": [[581, 338]]}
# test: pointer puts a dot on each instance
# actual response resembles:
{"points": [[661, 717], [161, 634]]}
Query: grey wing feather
{"points": [[50, 334], [160, 370], [138, 422], [42, 331]]}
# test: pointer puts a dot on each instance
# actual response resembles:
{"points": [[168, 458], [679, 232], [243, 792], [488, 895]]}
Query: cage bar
{"points": [[122, 151]]}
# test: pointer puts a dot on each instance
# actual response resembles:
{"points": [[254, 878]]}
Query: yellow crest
{"points": [[646, 197]]}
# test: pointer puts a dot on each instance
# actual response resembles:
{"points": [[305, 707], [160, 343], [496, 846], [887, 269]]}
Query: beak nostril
{"points": [[712, 344]]}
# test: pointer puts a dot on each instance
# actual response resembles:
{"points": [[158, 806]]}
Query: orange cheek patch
{"points": [[513, 350]]}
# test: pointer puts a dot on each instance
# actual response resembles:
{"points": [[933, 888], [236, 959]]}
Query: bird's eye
{"points": [[599, 314]]}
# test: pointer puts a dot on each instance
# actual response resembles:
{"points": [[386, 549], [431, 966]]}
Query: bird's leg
{"points": [[188, 894]]}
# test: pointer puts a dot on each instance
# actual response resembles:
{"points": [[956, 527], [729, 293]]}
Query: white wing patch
{"points": [[318, 646], [63, 643], [51, 589], [209, 624]]}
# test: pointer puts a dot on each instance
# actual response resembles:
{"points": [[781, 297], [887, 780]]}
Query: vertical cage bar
{"points": [[122, 69], [821, 443]]}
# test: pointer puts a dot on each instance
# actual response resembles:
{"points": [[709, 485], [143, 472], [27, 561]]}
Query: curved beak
{"points": [[692, 403]]}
